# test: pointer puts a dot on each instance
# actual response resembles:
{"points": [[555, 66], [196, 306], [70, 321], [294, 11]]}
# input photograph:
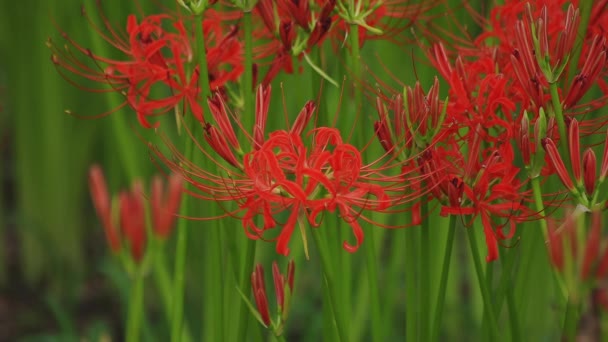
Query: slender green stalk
{"points": [[411, 284], [356, 62], [485, 291], [179, 274], [372, 279], [214, 329], [249, 113], [136, 303], [571, 321], [425, 273], [245, 285], [513, 316], [445, 270], [182, 229], [163, 282], [506, 289], [280, 338], [328, 273], [369, 246], [330, 331], [540, 206]]}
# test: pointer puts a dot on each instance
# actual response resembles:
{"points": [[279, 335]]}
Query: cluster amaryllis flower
{"points": [[533, 43], [292, 28], [127, 221], [157, 53], [305, 174]]}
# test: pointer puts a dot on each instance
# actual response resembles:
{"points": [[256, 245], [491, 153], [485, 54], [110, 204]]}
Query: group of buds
{"points": [[129, 218], [584, 183], [580, 255], [416, 120], [283, 288]]}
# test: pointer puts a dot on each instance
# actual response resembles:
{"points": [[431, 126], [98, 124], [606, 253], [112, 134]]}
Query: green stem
{"points": [[425, 273], [372, 278], [214, 317], [248, 118], [179, 275], [513, 316], [411, 284], [485, 291], [447, 257], [506, 289], [136, 302], [279, 338], [540, 206], [163, 282], [356, 62], [333, 291], [245, 286], [571, 322], [182, 229]]}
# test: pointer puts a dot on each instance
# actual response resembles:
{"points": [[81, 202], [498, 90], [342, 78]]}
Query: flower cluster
{"points": [[156, 59], [129, 218]]}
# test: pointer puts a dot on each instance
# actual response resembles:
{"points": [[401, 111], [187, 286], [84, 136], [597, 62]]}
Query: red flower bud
{"points": [[589, 171], [101, 201], [558, 164], [574, 146]]}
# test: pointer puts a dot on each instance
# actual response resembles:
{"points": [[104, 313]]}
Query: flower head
{"points": [[156, 52]]}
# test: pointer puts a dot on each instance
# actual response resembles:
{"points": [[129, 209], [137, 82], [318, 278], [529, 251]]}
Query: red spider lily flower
{"points": [[156, 53], [128, 220], [488, 188], [283, 286], [306, 174]]}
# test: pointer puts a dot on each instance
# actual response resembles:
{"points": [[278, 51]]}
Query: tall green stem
{"points": [[247, 118], [356, 61], [571, 321], [485, 291], [245, 286], [411, 284], [445, 271], [136, 303], [369, 246], [328, 273], [182, 229], [425, 273]]}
